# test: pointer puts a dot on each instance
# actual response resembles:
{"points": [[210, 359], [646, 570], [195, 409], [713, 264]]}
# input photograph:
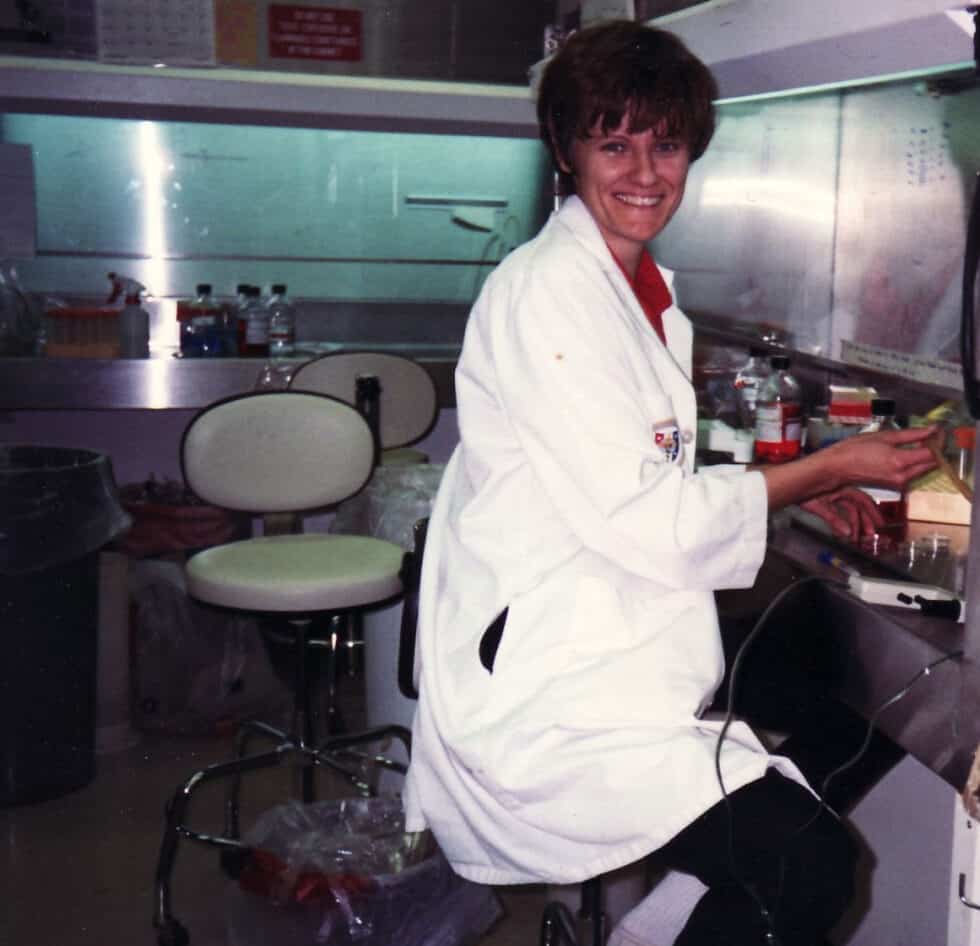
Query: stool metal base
{"points": [[559, 927], [344, 753]]}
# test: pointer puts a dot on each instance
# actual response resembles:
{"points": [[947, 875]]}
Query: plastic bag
{"points": [[345, 873], [195, 668], [168, 518], [395, 498], [57, 504], [20, 324]]}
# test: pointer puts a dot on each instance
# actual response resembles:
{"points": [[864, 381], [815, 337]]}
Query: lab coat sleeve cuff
{"points": [[754, 500]]}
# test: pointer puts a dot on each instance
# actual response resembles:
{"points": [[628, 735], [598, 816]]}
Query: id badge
{"points": [[667, 439]]}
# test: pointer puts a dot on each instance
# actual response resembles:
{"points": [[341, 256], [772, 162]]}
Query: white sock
{"points": [[658, 919]]}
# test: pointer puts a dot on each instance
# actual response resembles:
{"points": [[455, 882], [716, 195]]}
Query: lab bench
{"points": [[164, 381], [866, 655]]}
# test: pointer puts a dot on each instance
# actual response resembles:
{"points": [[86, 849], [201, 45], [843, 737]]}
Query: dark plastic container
{"points": [[58, 507]]}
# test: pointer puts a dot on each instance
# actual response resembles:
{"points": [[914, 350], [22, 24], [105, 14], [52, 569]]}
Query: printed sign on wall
{"points": [[323, 33]]}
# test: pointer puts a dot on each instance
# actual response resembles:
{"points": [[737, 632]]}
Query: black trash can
{"points": [[58, 507]]}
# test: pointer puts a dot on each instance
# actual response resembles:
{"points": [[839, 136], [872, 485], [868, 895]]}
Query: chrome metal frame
{"points": [[587, 928], [299, 744]]}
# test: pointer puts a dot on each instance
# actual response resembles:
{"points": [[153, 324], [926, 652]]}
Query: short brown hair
{"points": [[605, 70]]}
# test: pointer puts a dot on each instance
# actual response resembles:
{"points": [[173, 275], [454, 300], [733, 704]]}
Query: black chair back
{"points": [[411, 576]]}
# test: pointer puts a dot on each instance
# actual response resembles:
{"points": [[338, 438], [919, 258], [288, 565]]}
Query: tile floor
{"points": [[79, 870]]}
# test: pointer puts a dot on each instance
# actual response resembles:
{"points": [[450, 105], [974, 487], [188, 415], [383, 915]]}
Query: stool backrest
{"points": [[408, 393], [276, 451]]}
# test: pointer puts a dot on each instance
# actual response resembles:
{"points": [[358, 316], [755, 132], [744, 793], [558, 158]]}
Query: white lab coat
{"points": [[572, 500]]}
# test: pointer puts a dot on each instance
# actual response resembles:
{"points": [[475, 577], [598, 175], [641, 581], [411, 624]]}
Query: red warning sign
{"points": [[324, 33]]}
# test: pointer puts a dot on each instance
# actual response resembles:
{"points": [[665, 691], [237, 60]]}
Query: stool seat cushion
{"points": [[294, 573]]}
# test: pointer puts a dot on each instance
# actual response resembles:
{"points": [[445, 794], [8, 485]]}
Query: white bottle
{"points": [[282, 323], [134, 321]]}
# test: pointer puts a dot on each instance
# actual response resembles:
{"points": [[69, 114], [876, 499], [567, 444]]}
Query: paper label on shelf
{"points": [[307, 32], [175, 32], [914, 367]]}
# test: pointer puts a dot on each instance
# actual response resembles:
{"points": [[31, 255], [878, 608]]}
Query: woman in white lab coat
{"points": [[568, 636]]}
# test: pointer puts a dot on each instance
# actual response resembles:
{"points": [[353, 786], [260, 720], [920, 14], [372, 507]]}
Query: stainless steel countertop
{"points": [[876, 650], [870, 653], [162, 382]]}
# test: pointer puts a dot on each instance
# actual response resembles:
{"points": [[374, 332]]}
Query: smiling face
{"points": [[632, 183]]}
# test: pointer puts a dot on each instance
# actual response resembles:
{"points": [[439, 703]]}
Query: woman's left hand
{"points": [[850, 512]]}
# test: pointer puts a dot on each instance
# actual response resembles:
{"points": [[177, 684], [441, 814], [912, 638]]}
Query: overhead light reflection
{"points": [[154, 168]]}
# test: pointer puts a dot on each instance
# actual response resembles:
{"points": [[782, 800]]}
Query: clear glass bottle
{"points": [[253, 326], [778, 415], [891, 503], [748, 382], [282, 323], [234, 325], [205, 324], [716, 396], [231, 311]]}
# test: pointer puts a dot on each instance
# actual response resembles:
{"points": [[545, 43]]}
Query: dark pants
{"points": [[803, 879]]}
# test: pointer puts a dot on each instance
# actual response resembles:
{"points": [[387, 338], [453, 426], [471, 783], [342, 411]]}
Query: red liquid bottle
{"points": [[778, 415]]}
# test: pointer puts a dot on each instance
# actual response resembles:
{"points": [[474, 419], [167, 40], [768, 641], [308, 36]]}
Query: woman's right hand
{"points": [[889, 458]]}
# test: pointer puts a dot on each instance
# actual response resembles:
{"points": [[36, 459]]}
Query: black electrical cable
{"points": [[768, 918], [872, 719], [976, 38]]}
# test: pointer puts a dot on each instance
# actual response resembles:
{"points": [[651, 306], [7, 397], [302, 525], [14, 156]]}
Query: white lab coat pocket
{"points": [[639, 659], [598, 627]]}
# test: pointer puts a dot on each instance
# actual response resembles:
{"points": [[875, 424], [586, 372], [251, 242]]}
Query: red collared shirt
{"points": [[651, 291]]}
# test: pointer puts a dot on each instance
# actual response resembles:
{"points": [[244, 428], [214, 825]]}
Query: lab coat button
{"points": [[687, 436]]}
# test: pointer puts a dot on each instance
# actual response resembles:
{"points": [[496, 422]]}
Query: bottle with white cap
{"points": [[282, 323], [134, 320]]}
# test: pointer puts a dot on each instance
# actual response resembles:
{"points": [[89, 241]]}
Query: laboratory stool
{"points": [[280, 452], [397, 397]]}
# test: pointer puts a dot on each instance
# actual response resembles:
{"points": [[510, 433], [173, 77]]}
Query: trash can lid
{"points": [[57, 504]]}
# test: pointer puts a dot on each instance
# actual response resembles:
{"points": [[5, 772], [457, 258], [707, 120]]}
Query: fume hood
{"points": [[760, 46]]}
